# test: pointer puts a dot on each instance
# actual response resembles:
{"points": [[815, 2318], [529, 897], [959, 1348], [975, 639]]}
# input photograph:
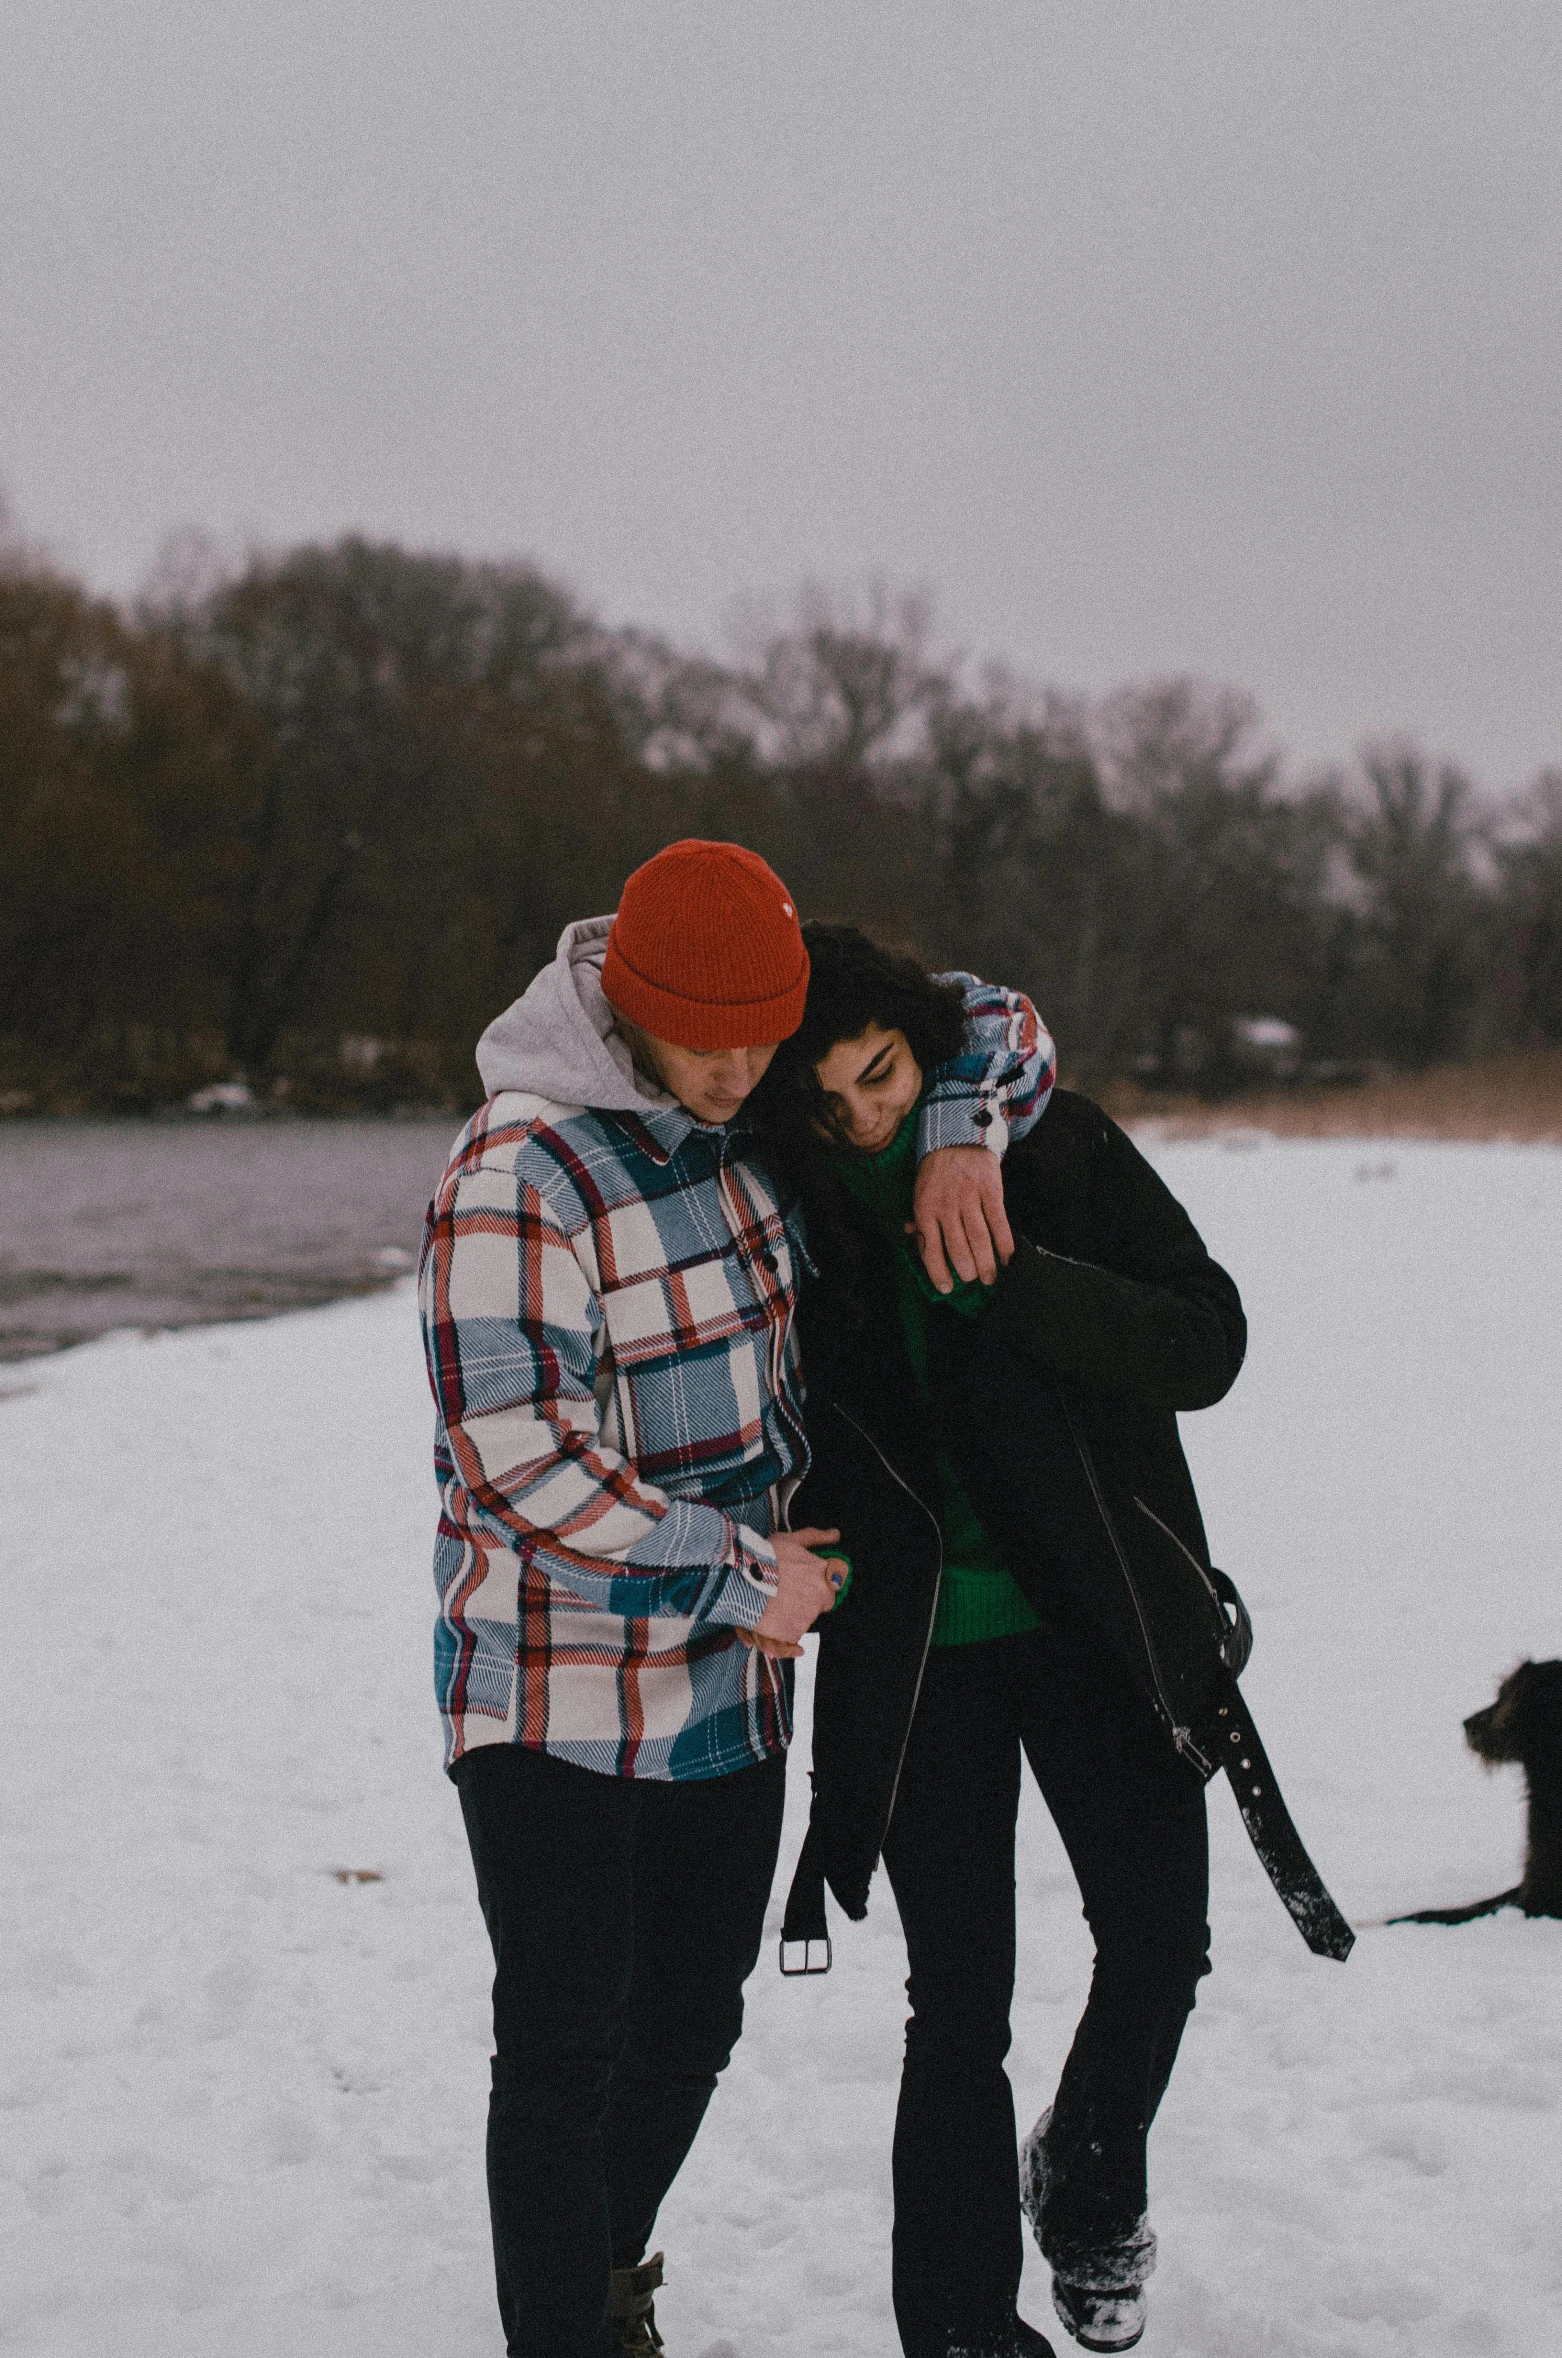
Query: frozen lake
{"points": [[180, 1223], [241, 2101]]}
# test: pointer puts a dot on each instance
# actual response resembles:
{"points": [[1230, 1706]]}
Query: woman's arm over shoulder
{"points": [[1138, 1309]]}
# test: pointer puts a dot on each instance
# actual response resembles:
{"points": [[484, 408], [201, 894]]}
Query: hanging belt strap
{"points": [[804, 1925], [1230, 1741]]}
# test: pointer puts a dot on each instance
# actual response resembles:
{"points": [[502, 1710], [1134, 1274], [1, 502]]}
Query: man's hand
{"points": [[958, 1216], [806, 1586]]}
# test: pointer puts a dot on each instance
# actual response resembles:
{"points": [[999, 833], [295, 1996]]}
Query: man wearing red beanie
{"points": [[607, 1292]]}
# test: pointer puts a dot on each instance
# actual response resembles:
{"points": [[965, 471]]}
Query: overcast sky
{"points": [[1152, 335]]}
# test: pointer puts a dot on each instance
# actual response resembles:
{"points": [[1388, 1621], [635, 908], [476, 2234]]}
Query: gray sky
{"points": [[1153, 335]]}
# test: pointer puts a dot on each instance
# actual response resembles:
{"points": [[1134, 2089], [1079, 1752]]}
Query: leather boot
{"points": [[634, 2306]]}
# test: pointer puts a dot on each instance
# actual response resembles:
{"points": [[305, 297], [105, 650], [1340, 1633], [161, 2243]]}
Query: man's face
{"points": [[710, 1083]]}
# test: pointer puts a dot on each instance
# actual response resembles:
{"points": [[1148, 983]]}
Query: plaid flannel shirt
{"points": [[607, 1307]]}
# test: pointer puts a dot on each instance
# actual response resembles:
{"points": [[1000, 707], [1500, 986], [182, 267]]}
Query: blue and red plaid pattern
{"points": [[999, 1083], [607, 1309]]}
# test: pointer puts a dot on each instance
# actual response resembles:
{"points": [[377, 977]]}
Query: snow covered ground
{"points": [[241, 2101]]}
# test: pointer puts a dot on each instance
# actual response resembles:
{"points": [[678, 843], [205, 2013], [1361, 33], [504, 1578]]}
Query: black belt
{"points": [[805, 1925], [1228, 1740]]}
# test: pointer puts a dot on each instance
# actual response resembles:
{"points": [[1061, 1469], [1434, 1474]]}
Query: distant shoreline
{"points": [[108, 1222], [1515, 1097], [268, 1117]]}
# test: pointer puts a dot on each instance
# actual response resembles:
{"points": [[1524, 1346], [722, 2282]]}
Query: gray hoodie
{"points": [[560, 1040]]}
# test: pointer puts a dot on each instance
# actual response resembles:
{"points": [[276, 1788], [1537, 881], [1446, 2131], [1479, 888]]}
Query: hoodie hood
{"points": [[560, 1040]]}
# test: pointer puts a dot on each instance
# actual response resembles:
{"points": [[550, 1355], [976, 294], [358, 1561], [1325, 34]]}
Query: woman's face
{"points": [[870, 1085]]}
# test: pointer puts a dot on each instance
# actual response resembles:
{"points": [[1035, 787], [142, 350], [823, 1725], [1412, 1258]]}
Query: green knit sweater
{"points": [[978, 1597]]}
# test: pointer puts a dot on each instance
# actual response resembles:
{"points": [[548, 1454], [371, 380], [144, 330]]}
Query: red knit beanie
{"points": [[706, 950]]}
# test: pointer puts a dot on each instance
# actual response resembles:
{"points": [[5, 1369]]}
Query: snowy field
{"points": [[241, 2101]]}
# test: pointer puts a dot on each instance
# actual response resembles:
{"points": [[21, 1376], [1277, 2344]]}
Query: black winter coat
{"points": [[1058, 1408]]}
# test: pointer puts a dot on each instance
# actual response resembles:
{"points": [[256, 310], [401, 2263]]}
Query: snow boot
{"points": [[1100, 2316], [634, 2306], [1099, 2320]]}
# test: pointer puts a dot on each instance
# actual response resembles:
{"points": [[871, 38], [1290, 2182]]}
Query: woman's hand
{"points": [[806, 1587], [958, 1216]]}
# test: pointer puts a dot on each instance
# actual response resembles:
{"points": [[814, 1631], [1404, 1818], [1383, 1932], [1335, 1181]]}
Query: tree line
{"points": [[312, 821]]}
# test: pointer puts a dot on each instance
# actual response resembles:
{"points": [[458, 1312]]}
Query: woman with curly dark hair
{"points": [[1002, 1462]]}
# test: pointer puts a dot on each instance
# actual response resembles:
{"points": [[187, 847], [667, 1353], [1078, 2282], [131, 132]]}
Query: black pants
{"points": [[625, 1918], [1132, 1819]]}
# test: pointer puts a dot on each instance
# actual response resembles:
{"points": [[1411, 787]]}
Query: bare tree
{"points": [[1528, 923], [1413, 825], [846, 682]]}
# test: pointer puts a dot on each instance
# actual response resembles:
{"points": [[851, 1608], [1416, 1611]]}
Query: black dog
{"points": [[1524, 1724]]}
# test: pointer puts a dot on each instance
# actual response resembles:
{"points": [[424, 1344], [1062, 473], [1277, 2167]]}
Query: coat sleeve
{"points": [[512, 1331], [1150, 1318], [997, 1087]]}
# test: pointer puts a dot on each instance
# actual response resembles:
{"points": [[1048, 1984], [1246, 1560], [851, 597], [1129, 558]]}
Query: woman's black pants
{"points": [[625, 1917], [1132, 1819]]}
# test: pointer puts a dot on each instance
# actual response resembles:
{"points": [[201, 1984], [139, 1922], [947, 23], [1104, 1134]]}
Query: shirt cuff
{"points": [[748, 1585], [967, 1120]]}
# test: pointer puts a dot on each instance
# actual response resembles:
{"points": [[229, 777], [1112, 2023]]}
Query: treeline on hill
{"points": [[314, 824]]}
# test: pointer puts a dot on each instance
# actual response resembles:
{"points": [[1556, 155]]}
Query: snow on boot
{"points": [[634, 2305], [1100, 2316], [1101, 2320], [1033, 2172]]}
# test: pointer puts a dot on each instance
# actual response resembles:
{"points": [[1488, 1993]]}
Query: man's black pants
{"points": [[1132, 1819], [625, 1917]]}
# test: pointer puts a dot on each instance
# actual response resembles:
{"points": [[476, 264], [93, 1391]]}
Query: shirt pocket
{"points": [[692, 1351], [678, 1310]]}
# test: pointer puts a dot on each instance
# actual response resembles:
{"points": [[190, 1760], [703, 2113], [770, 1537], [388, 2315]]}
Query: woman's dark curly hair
{"points": [[853, 982]]}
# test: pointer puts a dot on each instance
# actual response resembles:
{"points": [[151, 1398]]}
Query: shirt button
{"points": [[769, 1261], [981, 1118]]}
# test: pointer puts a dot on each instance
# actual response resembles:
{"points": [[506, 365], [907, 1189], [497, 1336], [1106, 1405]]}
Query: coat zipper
{"points": [[1186, 1550], [927, 1642], [1231, 1628], [1182, 1737]]}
